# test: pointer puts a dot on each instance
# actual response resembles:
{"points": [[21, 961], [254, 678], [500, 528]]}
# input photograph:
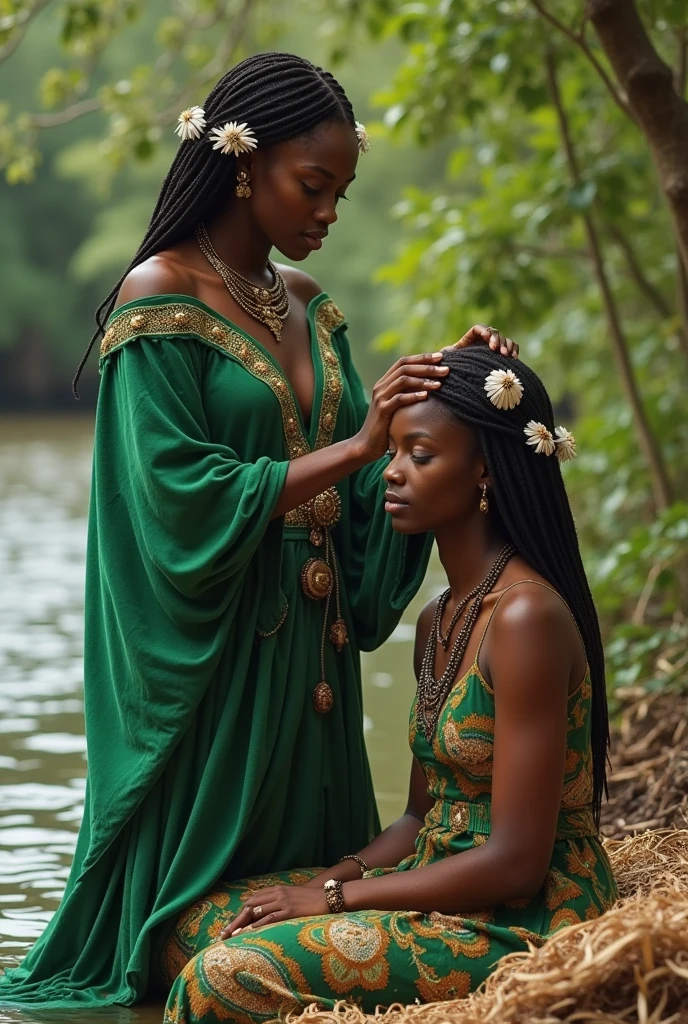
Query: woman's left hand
{"points": [[488, 336], [278, 903]]}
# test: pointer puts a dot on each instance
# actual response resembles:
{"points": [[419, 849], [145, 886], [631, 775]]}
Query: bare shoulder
{"points": [[161, 274], [531, 607], [423, 627], [299, 283], [533, 626]]}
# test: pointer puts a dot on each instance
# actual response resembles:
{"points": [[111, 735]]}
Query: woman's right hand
{"points": [[409, 380]]}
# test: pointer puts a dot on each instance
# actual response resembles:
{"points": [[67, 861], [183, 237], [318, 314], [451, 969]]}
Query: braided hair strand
{"points": [[533, 507]]}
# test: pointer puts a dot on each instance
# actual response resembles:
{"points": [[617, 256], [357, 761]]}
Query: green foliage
{"points": [[134, 65], [502, 240], [96, 186], [490, 223]]}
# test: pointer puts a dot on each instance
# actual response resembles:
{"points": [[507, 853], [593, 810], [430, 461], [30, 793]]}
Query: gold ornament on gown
{"points": [[319, 579]]}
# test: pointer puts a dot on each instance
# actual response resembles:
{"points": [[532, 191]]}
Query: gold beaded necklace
{"points": [[432, 692], [270, 306]]}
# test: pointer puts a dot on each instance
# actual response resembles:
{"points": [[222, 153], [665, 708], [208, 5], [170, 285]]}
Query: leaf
{"points": [[581, 196]]}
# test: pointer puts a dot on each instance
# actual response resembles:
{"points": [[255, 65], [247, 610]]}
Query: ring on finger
{"points": [[257, 911]]}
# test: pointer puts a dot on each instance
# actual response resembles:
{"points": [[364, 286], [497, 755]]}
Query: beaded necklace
{"points": [[432, 692], [270, 306]]}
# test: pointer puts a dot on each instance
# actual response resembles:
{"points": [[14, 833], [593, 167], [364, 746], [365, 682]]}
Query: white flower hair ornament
{"points": [[191, 123], [539, 437], [563, 444], [504, 389], [566, 444], [233, 138], [362, 136]]}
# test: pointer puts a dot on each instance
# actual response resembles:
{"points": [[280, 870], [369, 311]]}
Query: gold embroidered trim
{"points": [[328, 318], [271, 632], [182, 318]]}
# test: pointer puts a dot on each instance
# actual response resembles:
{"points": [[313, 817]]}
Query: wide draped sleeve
{"points": [[177, 521], [382, 569], [198, 511]]}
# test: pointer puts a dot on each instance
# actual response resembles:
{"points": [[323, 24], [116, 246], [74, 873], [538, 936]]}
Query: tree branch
{"points": [[638, 275], [653, 294], [682, 300], [579, 40], [660, 112], [23, 19], [238, 23], [549, 251], [681, 72], [661, 486], [638, 616], [68, 114]]}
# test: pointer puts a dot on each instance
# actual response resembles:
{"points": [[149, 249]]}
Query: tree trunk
{"points": [[660, 112]]}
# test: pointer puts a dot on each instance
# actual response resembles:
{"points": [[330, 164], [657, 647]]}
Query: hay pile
{"points": [[648, 785], [628, 967]]}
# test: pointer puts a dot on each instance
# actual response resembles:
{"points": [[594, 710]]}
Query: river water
{"points": [[44, 485]]}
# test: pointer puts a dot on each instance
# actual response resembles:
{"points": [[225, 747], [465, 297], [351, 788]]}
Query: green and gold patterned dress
{"points": [[213, 744], [378, 958]]}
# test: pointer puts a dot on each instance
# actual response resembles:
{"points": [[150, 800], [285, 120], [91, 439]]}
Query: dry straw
{"points": [[628, 967], [648, 787]]}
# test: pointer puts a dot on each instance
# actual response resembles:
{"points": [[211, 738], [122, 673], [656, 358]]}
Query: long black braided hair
{"points": [[531, 502], [280, 96]]}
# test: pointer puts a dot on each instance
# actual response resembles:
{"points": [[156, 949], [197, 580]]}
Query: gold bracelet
{"points": [[334, 895], [359, 860]]}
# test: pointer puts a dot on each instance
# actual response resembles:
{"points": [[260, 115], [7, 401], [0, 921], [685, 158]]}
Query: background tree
{"points": [[563, 215], [542, 160], [83, 190]]}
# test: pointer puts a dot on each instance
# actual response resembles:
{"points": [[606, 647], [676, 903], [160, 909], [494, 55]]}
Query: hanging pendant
{"points": [[317, 579], [323, 698], [316, 537], [339, 635], [274, 325]]}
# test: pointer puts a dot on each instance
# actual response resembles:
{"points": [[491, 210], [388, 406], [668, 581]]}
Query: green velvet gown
{"points": [[207, 753]]}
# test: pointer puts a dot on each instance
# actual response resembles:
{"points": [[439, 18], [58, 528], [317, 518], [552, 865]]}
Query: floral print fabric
{"points": [[378, 958]]}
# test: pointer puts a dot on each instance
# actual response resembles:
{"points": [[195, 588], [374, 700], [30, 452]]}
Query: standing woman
{"points": [[230, 585]]}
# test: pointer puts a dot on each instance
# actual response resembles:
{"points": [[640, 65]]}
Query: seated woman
{"points": [[499, 845]]}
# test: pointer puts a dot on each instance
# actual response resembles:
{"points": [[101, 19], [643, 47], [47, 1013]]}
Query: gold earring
{"points": [[484, 503], [243, 188]]}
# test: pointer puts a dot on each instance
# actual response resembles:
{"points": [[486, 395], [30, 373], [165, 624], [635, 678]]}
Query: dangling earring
{"points": [[484, 503], [243, 188]]}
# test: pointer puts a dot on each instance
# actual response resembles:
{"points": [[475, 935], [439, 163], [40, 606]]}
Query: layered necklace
{"points": [[432, 692], [270, 306]]}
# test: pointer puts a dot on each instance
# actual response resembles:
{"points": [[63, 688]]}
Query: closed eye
{"points": [[310, 191]]}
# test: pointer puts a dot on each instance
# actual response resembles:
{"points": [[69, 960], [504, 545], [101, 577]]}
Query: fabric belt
{"points": [[296, 533], [466, 816]]}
